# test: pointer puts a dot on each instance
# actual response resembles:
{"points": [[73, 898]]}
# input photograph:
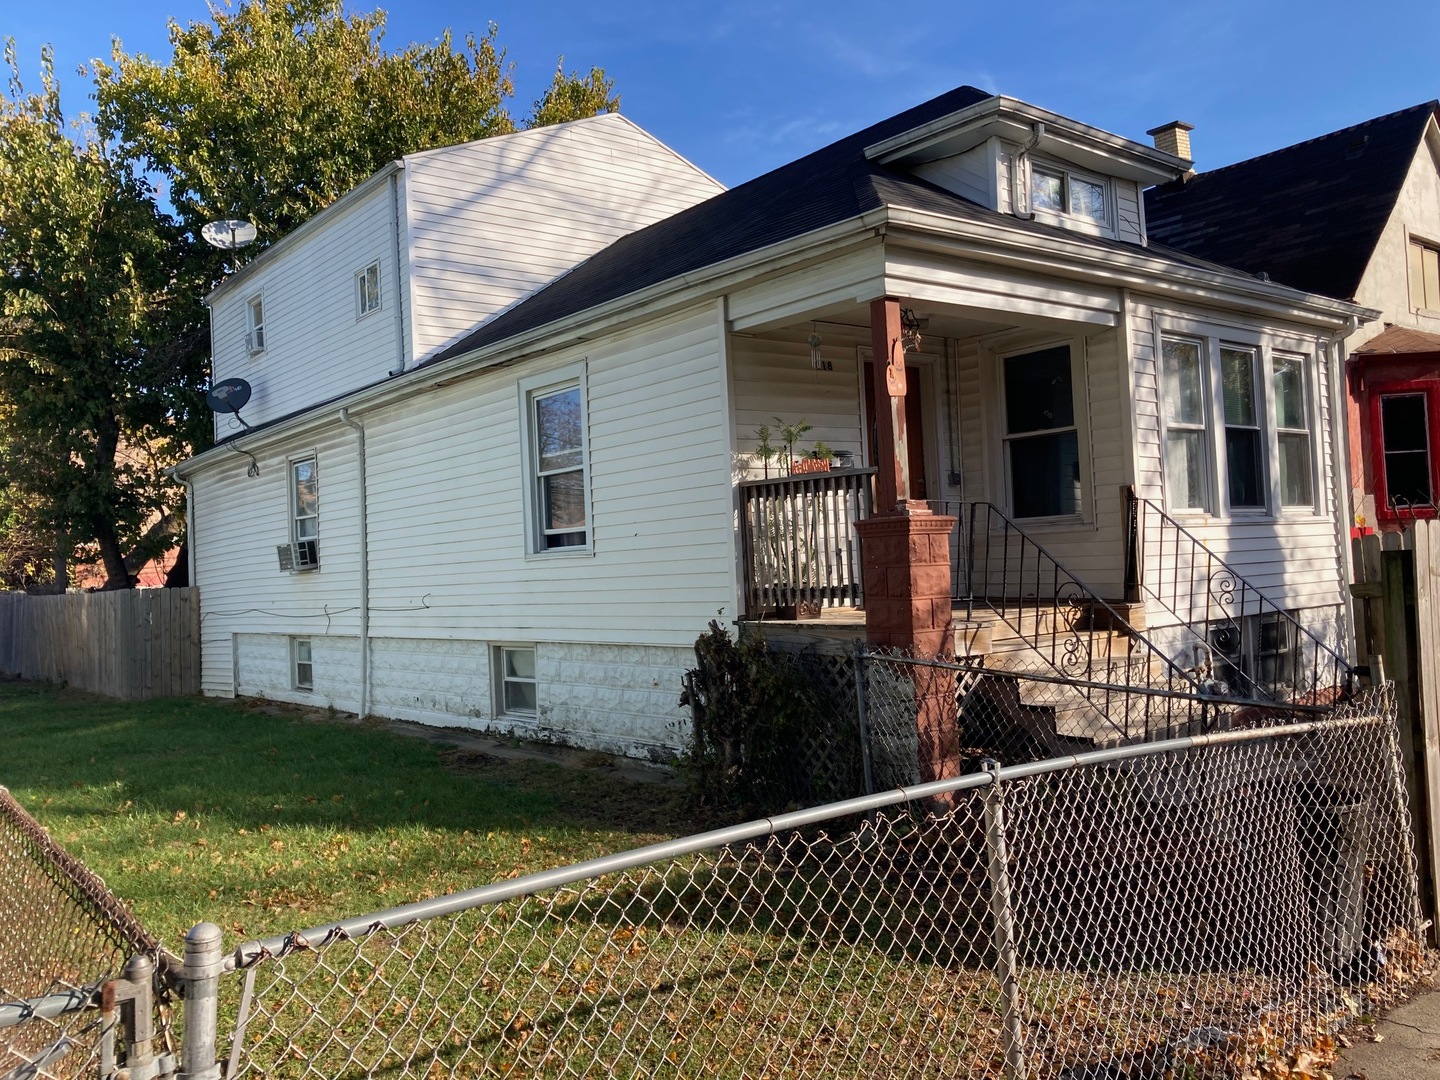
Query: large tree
{"points": [[93, 309], [268, 111], [272, 110]]}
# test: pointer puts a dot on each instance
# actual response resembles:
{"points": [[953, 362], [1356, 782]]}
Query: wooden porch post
{"points": [[892, 477], [906, 551]]}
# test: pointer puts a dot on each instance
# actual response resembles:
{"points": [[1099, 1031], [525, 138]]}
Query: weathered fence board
{"points": [[131, 643]]}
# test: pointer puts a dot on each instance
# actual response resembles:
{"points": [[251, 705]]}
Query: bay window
{"points": [[1238, 424]]}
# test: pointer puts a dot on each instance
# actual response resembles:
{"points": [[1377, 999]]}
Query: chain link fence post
{"points": [[204, 962], [863, 719], [1002, 915]]}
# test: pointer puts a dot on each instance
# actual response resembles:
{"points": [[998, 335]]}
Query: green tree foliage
{"points": [[91, 311], [267, 111], [270, 111]]}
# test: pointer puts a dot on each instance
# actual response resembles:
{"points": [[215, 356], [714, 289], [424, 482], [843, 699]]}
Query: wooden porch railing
{"points": [[799, 541]]}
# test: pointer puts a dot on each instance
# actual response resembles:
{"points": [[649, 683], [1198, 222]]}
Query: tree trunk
{"points": [[179, 575], [62, 561], [113, 559]]}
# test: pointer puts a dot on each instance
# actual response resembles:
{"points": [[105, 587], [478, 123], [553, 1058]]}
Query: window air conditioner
{"points": [[255, 341], [302, 555]]}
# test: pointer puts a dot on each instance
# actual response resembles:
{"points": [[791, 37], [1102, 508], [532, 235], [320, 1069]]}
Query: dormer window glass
{"points": [[1057, 190], [255, 332]]}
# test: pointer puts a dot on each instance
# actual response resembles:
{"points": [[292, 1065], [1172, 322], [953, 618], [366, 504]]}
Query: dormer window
{"points": [[1061, 191]]}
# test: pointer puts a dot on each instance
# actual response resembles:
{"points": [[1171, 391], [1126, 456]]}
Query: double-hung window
{"points": [[302, 664], [1242, 414], [1404, 428], [1042, 442], [1244, 447], [1292, 430], [255, 325], [556, 462], [1187, 455], [305, 512], [367, 290]]}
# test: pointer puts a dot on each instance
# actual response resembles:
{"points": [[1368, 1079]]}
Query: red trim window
{"points": [[1405, 442]]}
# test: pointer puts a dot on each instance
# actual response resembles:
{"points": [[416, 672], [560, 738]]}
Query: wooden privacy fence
{"points": [[130, 643], [1397, 631]]}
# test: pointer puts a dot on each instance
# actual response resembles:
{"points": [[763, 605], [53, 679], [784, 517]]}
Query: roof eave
{"points": [[1014, 119]]}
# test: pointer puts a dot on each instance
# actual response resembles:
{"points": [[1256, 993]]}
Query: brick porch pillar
{"points": [[907, 559]]}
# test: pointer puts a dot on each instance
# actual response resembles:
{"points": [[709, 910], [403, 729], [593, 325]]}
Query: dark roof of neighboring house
{"points": [[1309, 215], [1401, 341]]}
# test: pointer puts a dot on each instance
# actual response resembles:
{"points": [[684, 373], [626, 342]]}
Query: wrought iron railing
{"points": [[1117, 671], [1245, 640], [799, 543]]}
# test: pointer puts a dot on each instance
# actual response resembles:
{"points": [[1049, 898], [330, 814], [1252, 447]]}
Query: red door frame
{"points": [[1430, 390]]}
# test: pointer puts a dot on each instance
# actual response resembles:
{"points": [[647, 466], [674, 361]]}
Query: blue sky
{"points": [[740, 86]]}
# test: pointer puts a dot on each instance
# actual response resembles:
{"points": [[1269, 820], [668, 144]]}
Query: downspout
{"points": [[398, 317], [189, 532], [1340, 478], [364, 710], [1037, 132]]}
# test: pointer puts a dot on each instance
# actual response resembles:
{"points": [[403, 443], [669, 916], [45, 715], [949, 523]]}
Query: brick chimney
{"points": [[1173, 138]]}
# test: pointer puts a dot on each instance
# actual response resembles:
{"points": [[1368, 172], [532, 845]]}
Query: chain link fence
{"points": [[62, 935], [1199, 906]]}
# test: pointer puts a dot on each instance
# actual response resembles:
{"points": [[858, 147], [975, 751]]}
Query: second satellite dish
{"points": [[229, 395], [230, 235]]}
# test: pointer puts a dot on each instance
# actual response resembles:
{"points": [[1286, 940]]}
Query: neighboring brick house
{"points": [[1354, 214]]}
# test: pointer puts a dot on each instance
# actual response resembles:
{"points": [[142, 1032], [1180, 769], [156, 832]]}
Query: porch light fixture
{"points": [[910, 330]]}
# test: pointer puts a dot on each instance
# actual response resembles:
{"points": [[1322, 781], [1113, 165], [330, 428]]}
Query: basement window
{"points": [[515, 680], [302, 665]]}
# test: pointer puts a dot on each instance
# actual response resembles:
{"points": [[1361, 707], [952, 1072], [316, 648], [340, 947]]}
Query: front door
{"points": [[914, 425]]}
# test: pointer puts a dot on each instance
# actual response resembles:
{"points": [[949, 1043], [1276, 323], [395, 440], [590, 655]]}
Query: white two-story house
{"points": [[501, 466]]}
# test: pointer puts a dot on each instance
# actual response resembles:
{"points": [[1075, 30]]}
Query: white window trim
{"points": [[295, 662], [529, 388], [361, 311], [295, 459], [1312, 422], [1207, 442], [1067, 218], [1267, 344], [1080, 389], [497, 667], [256, 338]]}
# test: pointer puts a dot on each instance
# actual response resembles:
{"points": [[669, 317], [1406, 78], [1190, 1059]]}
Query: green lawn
{"points": [[195, 809]]}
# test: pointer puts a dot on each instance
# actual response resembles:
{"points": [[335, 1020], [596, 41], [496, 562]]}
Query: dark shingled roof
{"points": [[1309, 215], [831, 185]]}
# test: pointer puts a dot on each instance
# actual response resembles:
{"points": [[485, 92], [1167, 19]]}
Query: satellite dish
{"points": [[229, 234], [230, 396]]}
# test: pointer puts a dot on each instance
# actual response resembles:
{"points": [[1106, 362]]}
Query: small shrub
{"points": [[753, 710]]}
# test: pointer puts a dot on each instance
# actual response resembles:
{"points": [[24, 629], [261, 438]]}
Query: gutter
{"points": [[364, 709]]}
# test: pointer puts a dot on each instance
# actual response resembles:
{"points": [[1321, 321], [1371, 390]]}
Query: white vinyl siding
{"points": [[315, 347], [239, 520], [661, 502], [490, 222]]}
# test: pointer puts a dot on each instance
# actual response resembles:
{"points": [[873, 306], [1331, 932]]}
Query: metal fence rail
{"points": [[62, 935], [1208, 902]]}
